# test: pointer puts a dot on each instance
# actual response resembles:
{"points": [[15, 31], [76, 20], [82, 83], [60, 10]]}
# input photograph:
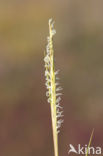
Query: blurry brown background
{"points": [[25, 122]]}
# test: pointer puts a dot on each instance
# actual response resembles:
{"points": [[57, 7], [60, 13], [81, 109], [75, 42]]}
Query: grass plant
{"points": [[53, 87]]}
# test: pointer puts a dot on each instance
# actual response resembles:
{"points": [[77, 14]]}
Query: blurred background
{"points": [[25, 121]]}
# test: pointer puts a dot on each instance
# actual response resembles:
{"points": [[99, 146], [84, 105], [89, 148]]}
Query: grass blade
{"points": [[90, 140]]}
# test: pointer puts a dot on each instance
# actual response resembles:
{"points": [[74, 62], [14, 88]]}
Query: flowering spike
{"points": [[51, 85]]}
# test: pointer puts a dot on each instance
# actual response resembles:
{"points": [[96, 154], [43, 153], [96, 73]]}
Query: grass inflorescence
{"points": [[53, 88]]}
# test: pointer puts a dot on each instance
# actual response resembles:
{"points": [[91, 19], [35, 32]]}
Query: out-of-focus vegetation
{"points": [[25, 124]]}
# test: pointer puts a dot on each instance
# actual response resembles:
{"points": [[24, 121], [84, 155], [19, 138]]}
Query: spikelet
{"points": [[52, 87]]}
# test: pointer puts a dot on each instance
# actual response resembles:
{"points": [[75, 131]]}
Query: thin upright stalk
{"points": [[53, 95], [52, 87]]}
